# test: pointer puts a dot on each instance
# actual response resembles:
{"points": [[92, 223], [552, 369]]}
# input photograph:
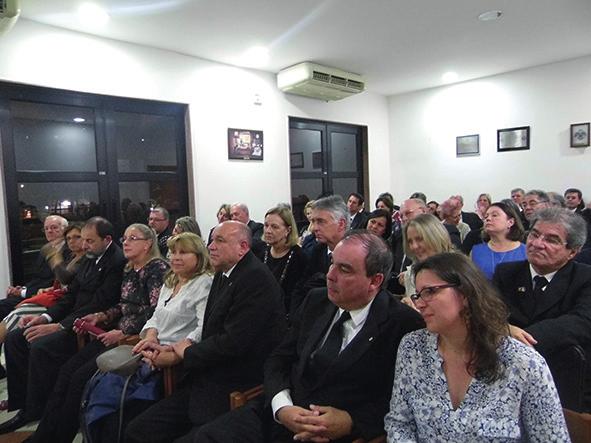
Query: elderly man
{"points": [[239, 212], [159, 221], [36, 350], [549, 295], [244, 321], [329, 220], [331, 377]]}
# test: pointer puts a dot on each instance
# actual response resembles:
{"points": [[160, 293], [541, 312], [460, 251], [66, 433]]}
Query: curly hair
{"points": [[485, 314]]}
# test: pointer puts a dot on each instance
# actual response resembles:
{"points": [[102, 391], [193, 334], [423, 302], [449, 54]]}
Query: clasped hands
{"points": [[161, 356], [318, 424], [36, 326]]}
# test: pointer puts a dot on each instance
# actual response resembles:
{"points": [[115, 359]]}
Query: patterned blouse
{"points": [[139, 295], [523, 406]]}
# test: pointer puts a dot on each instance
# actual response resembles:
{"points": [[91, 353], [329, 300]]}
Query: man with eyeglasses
{"points": [[159, 221], [549, 294], [532, 202]]}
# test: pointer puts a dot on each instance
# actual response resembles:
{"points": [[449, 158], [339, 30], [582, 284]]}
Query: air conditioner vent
{"points": [[321, 82]]}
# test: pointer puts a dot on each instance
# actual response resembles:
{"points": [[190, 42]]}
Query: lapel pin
{"points": [[521, 289], [370, 338]]}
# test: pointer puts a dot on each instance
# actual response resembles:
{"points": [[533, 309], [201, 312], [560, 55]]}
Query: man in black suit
{"points": [[357, 214], [159, 221], [549, 295], [574, 200], [470, 218], [329, 220], [244, 321], [36, 350], [331, 377]]}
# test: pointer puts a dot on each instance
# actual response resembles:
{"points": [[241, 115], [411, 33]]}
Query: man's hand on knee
{"points": [[31, 320], [330, 423], [34, 332]]}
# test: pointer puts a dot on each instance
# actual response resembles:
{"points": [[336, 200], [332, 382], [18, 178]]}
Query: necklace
{"points": [[284, 272]]}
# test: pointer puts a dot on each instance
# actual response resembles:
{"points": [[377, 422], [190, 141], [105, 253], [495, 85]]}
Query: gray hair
{"points": [[240, 206], [162, 211], [379, 255], [574, 224], [58, 218], [556, 200], [336, 206], [517, 190], [540, 194]]}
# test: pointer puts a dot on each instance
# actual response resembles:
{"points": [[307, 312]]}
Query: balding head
{"points": [[230, 242], [239, 212], [412, 208]]}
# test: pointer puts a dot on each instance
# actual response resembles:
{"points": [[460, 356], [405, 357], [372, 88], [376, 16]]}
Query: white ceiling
{"points": [[397, 45]]}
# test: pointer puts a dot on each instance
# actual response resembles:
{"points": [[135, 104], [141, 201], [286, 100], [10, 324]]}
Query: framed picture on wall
{"points": [[467, 145], [245, 144], [513, 139], [296, 160], [579, 135]]}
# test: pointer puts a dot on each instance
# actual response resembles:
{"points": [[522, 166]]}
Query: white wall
{"points": [[424, 125], [219, 97]]}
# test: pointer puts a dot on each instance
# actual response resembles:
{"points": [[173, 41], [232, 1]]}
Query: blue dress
{"points": [[487, 259], [522, 406]]}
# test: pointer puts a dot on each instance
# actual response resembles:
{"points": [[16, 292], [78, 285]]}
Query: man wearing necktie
{"points": [[331, 376], [549, 294], [244, 320]]}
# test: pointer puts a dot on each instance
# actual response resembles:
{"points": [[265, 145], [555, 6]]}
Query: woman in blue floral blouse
{"points": [[463, 379]]}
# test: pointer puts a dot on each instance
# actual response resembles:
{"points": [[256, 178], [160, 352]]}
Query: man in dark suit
{"points": [[36, 350], [549, 295], [244, 321], [357, 214], [329, 221], [159, 221], [331, 377]]}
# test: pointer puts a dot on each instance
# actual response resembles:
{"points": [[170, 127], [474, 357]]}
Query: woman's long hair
{"points": [[192, 243], [431, 231], [149, 234], [485, 314]]}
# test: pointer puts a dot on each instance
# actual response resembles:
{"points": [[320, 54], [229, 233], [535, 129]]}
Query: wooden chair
{"points": [[238, 399], [579, 426]]}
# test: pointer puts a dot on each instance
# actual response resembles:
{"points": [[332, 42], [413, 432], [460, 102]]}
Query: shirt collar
{"points": [[548, 276], [358, 316]]}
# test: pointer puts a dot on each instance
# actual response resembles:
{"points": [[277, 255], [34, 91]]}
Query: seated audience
{"points": [[433, 208], [482, 204], [470, 218], [239, 212], [244, 321], [283, 256], [142, 279], [357, 214], [222, 215], [533, 201], [379, 223], [502, 234], [64, 269], [462, 378], [424, 236], [159, 221], [451, 214], [186, 224], [385, 202], [42, 344], [549, 294], [556, 200], [329, 379]]}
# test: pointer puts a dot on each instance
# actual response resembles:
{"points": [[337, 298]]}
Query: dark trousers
{"points": [[33, 368], [7, 305], [60, 421]]}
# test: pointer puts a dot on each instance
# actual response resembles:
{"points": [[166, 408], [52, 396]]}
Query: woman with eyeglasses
{"points": [[502, 234], [463, 378], [140, 288], [423, 236]]}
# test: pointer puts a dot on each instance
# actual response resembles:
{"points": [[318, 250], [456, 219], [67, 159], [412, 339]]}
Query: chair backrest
{"points": [[579, 426], [238, 398], [568, 368]]}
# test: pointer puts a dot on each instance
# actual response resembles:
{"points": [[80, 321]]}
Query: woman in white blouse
{"points": [[462, 379]]}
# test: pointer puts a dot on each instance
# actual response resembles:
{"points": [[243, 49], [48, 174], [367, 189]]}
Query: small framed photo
{"points": [[245, 144], [296, 160], [467, 145], [579, 135], [513, 139]]}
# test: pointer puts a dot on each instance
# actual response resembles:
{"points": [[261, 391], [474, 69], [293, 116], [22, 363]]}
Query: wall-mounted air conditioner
{"points": [[321, 82], [9, 12]]}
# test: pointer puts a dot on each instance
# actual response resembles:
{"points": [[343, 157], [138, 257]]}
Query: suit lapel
{"points": [[316, 333], [555, 291], [217, 294]]}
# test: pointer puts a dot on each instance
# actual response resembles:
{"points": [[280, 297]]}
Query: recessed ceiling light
{"points": [[449, 77], [92, 14], [79, 120], [490, 16]]}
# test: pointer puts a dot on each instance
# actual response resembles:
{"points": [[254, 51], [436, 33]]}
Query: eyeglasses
{"points": [[550, 240], [429, 292], [131, 238]]}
